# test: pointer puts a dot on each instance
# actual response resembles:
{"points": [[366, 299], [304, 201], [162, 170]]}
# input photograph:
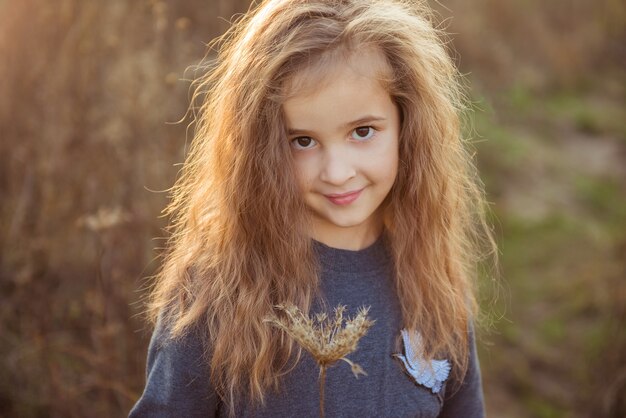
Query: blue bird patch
{"points": [[431, 373]]}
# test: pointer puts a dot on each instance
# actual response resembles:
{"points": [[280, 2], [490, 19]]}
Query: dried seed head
{"points": [[326, 339]]}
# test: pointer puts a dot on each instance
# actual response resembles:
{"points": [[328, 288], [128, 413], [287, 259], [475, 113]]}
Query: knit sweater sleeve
{"points": [[177, 378], [467, 400]]}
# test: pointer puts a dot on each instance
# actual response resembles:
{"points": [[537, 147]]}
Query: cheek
{"points": [[393, 162], [304, 167], [384, 162], [388, 171]]}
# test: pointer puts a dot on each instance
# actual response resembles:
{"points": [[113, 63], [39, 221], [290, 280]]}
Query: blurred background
{"points": [[90, 95]]}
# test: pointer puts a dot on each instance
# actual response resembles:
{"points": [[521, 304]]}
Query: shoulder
{"points": [[178, 379], [465, 398]]}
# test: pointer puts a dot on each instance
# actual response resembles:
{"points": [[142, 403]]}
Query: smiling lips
{"points": [[344, 198]]}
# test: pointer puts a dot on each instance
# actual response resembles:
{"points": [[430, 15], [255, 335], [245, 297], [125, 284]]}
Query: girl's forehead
{"points": [[367, 61]]}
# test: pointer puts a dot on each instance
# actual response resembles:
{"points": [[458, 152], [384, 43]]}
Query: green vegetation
{"points": [[556, 170]]}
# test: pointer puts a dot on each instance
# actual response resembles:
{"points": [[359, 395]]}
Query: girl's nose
{"points": [[338, 168]]}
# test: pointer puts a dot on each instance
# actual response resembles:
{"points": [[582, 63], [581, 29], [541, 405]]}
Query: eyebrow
{"points": [[360, 121]]}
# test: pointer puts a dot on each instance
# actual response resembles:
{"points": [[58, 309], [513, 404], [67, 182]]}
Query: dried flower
{"points": [[325, 338], [103, 219]]}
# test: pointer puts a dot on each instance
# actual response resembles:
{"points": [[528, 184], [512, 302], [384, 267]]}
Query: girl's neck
{"points": [[350, 238], [354, 262]]}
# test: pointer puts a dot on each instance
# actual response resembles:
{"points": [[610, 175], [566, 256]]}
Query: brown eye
{"points": [[363, 133], [303, 142]]}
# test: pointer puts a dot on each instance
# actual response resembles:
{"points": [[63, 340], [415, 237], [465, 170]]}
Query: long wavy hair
{"points": [[239, 242]]}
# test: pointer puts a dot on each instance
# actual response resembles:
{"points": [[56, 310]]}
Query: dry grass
{"points": [[543, 45], [326, 338]]}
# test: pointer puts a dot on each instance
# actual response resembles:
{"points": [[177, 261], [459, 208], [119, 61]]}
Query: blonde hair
{"points": [[239, 242]]}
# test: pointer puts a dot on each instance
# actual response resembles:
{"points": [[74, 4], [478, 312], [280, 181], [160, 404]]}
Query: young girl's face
{"points": [[343, 133]]}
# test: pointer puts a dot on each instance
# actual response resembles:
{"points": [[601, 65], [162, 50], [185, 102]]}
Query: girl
{"points": [[327, 168]]}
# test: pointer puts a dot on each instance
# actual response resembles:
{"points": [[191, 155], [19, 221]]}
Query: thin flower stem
{"points": [[325, 338], [322, 381]]}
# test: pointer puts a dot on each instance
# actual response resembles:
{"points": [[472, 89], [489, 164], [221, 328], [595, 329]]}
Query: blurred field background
{"points": [[89, 93]]}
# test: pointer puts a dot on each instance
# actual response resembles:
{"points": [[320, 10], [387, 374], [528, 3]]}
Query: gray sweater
{"points": [[178, 383]]}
